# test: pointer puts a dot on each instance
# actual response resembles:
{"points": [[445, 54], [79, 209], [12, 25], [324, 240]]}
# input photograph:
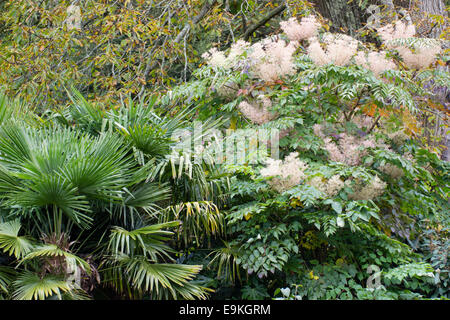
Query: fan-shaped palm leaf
{"points": [[199, 219], [29, 286], [11, 242], [98, 168], [53, 251], [86, 114], [10, 109], [148, 240], [147, 195], [6, 277], [225, 261], [158, 279]]}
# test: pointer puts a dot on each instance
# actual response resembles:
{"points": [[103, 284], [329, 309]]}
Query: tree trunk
{"points": [[427, 27], [345, 17]]}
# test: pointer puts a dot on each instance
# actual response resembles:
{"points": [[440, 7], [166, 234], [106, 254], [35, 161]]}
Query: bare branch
{"points": [[264, 20]]}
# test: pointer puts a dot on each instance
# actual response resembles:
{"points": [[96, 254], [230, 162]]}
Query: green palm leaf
{"points": [[52, 251], [158, 279], [6, 276], [199, 218], [148, 240], [147, 195], [11, 242], [10, 109], [225, 261], [29, 286]]}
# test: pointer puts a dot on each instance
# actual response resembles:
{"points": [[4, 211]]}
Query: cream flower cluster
{"points": [[217, 58], [368, 191], [392, 170], [270, 60], [339, 50], [330, 187], [257, 112], [362, 121], [398, 30], [286, 174], [375, 62], [398, 137], [417, 57], [349, 149], [295, 31]]}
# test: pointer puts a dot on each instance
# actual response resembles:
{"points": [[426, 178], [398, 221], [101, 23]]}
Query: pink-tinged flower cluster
{"points": [[368, 191], [392, 170], [257, 112], [398, 137], [399, 30], [271, 60], [418, 57], [286, 174], [215, 58], [237, 51], [347, 149], [330, 187], [415, 57], [339, 49], [295, 31], [268, 59], [234, 59], [375, 62]]}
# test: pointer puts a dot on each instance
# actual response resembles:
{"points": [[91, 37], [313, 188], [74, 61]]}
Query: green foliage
{"points": [[112, 49], [307, 241], [80, 174], [102, 194]]}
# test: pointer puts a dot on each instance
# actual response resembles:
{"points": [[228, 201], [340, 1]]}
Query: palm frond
{"points": [[199, 219], [14, 145], [29, 286], [97, 168], [10, 109], [147, 196], [86, 114], [11, 242], [158, 279], [6, 277], [224, 259], [53, 251], [148, 240]]}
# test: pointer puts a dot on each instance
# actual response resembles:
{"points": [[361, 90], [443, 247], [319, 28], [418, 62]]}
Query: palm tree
{"points": [[89, 190]]}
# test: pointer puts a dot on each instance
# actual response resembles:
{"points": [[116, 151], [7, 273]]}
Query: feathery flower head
{"points": [[375, 62], [368, 191], [339, 50], [295, 31], [286, 174]]}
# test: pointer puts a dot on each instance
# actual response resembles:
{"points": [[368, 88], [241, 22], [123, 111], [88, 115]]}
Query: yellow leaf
{"points": [[233, 123]]}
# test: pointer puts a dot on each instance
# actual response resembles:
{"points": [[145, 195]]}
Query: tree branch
{"points": [[152, 63], [374, 124], [264, 20], [196, 20]]}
